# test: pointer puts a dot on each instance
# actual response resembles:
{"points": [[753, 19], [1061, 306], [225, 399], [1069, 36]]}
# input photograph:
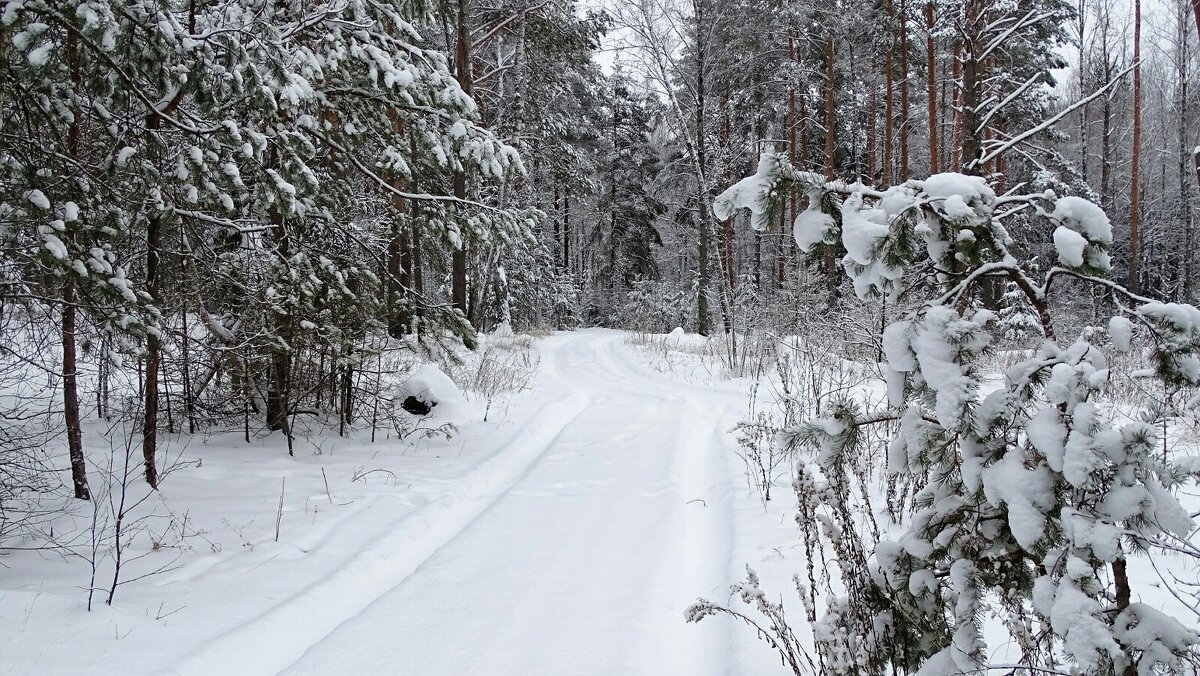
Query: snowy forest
{"points": [[600, 337]]}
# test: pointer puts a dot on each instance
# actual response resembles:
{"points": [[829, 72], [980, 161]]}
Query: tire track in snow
{"points": [[704, 489], [278, 637], [702, 481]]}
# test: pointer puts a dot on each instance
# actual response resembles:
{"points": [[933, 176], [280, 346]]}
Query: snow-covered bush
{"points": [[1032, 498]]}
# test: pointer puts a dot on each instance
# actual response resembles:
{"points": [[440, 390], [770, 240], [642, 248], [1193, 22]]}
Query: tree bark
{"points": [[1133, 282], [831, 276], [71, 415], [727, 224], [830, 119], [872, 104], [931, 88], [889, 97], [1187, 252], [703, 244], [458, 274], [956, 154], [153, 356], [972, 89], [278, 389], [792, 123], [1080, 27], [904, 108]]}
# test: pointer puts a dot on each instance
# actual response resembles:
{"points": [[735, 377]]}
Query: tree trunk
{"points": [[278, 389], [830, 119], [71, 415], [931, 88], [1187, 245], [956, 155], [1134, 195], [831, 275], [727, 224], [399, 262], [1106, 193], [153, 356], [904, 175], [458, 274], [872, 104], [703, 244], [1083, 113], [566, 236], [792, 123], [972, 89], [889, 97], [1196, 12]]}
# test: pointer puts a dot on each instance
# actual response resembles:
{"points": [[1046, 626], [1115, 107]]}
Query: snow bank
{"points": [[429, 385]]}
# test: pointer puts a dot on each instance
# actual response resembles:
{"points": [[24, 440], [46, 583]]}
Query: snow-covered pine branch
{"points": [[1034, 497]]}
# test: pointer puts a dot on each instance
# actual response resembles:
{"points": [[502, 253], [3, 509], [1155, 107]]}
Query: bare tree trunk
{"points": [[831, 278], [931, 88], [946, 115], [956, 154], [872, 140], [792, 123], [1106, 192], [830, 119], [803, 149], [153, 356], [71, 414], [458, 274], [1134, 189], [1080, 28], [1187, 248], [702, 318], [972, 89], [566, 237], [557, 241], [904, 175], [279, 385], [727, 224], [888, 112]]}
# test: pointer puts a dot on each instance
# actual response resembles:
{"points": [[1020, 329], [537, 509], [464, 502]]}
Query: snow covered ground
{"points": [[566, 535]]}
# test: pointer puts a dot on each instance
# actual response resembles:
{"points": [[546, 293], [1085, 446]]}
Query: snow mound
{"points": [[433, 388]]}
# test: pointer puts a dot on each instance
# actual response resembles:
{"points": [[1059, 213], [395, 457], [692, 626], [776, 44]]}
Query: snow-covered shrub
{"points": [[1032, 497]]}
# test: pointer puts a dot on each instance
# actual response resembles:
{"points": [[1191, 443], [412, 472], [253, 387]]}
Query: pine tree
{"points": [[1032, 499]]}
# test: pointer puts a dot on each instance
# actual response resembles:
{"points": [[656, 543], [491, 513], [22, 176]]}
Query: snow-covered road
{"points": [[574, 548], [585, 564], [565, 536]]}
